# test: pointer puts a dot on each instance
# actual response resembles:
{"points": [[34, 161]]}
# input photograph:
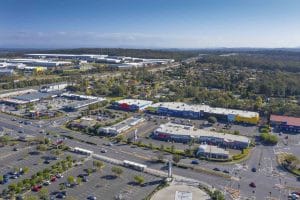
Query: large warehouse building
{"points": [[181, 133], [178, 109], [131, 104], [121, 126], [40, 62], [285, 123]]}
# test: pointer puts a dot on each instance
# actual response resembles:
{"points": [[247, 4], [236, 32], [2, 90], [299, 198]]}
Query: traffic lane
{"points": [[218, 182], [263, 178]]}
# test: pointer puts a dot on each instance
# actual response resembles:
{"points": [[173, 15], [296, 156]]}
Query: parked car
{"points": [[60, 196], [92, 198], [195, 162], [36, 188], [14, 176], [46, 183], [53, 179], [59, 176], [82, 175], [252, 184], [19, 197], [253, 169], [46, 162], [216, 169], [4, 181], [226, 171], [85, 179], [293, 196], [103, 151]]}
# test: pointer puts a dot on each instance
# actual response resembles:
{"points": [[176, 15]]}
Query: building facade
{"points": [[177, 109], [285, 123], [210, 151], [185, 134], [131, 104]]}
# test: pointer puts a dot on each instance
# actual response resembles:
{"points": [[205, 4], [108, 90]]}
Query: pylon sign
{"points": [[170, 169]]}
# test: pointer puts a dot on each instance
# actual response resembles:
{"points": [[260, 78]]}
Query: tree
{"points": [[31, 197], [139, 179], [258, 103], [162, 148], [5, 139], [172, 149], [119, 138], [69, 158], [212, 119], [46, 141], [217, 195], [236, 132], [117, 170], [188, 152], [25, 170], [41, 147], [290, 158], [129, 140], [49, 107], [150, 145], [176, 158], [79, 180], [18, 190], [43, 194], [160, 157], [269, 138], [12, 187], [71, 179], [99, 164]]}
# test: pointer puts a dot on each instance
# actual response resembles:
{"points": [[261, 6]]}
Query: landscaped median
{"points": [[191, 152], [203, 170], [289, 162]]}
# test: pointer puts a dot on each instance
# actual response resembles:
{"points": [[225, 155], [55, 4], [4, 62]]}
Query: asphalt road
{"points": [[268, 178]]}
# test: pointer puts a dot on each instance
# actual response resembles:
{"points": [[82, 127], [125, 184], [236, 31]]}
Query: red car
{"points": [[36, 188], [53, 179]]}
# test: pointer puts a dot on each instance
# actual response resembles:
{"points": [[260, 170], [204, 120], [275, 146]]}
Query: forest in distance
{"points": [[254, 79]]}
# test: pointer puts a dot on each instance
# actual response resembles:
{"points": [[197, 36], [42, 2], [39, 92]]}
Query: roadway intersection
{"points": [[270, 180]]}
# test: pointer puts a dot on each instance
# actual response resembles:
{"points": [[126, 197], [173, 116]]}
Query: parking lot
{"points": [[12, 161], [104, 184], [152, 122]]}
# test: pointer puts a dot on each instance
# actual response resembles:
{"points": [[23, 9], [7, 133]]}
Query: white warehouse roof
{"points": [[137, 102], [205, 108], [178, 129]]}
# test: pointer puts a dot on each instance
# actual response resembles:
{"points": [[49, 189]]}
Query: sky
{"points": [[149, 23]]}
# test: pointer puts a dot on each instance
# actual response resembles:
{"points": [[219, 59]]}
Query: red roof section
{"points": [[293, 121]]}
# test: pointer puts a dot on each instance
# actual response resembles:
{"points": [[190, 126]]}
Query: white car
{"points": [[293, 196], [47, 183], [103, 150], [59, 176]]}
